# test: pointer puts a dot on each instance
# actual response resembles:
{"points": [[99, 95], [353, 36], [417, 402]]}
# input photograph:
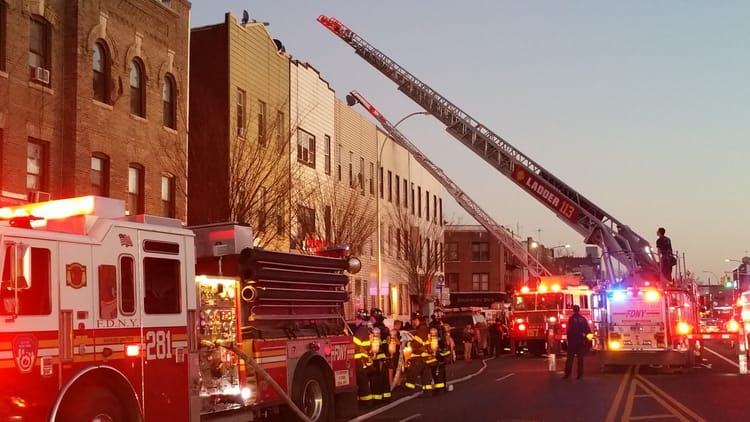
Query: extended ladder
{"points": [[593, 223], [535, 268]]}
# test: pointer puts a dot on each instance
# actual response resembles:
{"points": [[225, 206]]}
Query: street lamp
{"points": [[380, 175]]}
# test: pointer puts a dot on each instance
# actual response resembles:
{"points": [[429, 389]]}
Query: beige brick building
{"points": [[91, 95]]}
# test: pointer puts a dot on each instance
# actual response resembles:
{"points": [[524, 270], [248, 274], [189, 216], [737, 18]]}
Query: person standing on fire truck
{"points": [[418, 373], [666, 256], [578, 338], [381, 390], [362, 348], [441, 354]]}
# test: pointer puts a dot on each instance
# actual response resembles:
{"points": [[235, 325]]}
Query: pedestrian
{"points": [[667, 259], [418, 373], [362, 349], [578, 340], [467, 338]]}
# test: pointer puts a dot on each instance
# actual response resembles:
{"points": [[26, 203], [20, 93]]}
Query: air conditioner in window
{"points": [[39, 196], [40, 74]]}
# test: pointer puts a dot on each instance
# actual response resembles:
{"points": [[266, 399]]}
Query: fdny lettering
{"points": [[635, 313], [542, 192], [117, 323], [338, 352]]}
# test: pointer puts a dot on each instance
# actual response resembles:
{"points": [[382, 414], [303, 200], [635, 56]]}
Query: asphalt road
{"points": [[524, 389]]}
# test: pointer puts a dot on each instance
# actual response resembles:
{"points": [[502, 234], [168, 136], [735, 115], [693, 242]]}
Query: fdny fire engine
{"points": [[107, 317], [540, 315], [677, 303]]}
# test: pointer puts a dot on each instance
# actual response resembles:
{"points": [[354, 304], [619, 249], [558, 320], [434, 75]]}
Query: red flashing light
{"points": [[521, 327]]}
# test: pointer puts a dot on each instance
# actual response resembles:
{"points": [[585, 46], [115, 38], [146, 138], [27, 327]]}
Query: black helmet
{"points": [[362, 314], [416, 315], [437, 313], [377, 313]]}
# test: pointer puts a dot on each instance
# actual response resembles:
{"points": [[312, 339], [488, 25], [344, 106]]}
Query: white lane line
{"points": [[507, 376], [411, 418], [719, 355]]}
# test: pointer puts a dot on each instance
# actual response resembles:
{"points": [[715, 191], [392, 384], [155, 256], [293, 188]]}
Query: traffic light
{"points": [[729, 284]]}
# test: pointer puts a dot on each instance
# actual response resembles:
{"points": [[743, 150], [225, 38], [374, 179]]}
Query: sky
{"points": [[642, 107]]}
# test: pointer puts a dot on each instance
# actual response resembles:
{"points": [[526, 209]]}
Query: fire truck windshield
{"points": [[538, 301]]}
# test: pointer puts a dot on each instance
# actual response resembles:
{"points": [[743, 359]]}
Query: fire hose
{"points": [[229, 345]]}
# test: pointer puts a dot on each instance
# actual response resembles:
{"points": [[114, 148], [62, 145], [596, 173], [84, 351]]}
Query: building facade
{"points": [[91, 94]]}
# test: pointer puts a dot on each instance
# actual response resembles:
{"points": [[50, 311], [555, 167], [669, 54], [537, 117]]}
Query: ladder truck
{"points": [[640, 318], [533, 266]]}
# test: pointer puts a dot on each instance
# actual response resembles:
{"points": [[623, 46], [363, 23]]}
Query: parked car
{"points": [[458, 320]]}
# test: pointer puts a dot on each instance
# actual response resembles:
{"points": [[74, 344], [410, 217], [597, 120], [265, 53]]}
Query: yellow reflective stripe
{"points": [[359, 342], [427, 387], [440, 385], [386, 395], [409, 385], [360, 355], [367, 397], [380, 356], [445, 353], [422, 342], [377, 396]]}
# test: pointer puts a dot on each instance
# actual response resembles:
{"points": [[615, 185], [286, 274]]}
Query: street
{"points": [[523, 389]]}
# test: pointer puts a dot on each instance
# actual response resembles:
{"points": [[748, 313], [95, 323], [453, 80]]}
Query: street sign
{"points": [[441, 281]]}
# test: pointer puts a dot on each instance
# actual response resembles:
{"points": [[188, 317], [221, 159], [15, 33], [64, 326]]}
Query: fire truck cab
{"points": [[540, 315], [104, 318]]}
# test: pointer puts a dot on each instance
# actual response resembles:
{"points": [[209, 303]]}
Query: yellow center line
{"points": [[661, 400], [618, 397], [671, 399]]}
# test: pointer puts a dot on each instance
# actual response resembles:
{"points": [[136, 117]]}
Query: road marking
{"points": [[670, 398], [618, 396], [411, 418], [719, 355], [507, 376]]}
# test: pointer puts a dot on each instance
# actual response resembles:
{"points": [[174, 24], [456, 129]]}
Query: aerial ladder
{"points": [[616, 240], [521, 252]]}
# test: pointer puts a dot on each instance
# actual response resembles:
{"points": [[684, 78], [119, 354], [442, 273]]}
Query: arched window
{"points": [[100, 67], [137, 89], [168, 101]]}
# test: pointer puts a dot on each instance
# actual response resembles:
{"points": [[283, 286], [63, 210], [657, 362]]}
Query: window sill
{"points": [[170, 130], [138, 118], [40, 87], [3, 74], [102, 105]]}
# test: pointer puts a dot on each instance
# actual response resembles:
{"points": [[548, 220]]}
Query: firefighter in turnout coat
{"points": [[381, 390], [578, 335], [362, 349], [418, 373], [440, 350]]}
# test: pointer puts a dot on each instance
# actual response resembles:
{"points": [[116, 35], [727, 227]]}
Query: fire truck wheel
{"points": [[96, 405], [313, 395]]}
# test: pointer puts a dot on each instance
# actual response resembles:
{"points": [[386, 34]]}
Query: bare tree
{"points": [[419, 253], [343, 214]]}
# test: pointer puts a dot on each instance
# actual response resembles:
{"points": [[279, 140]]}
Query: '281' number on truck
{"points": [[158, 345]]}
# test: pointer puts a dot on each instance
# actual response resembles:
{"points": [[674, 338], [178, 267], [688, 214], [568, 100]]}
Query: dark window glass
{"points": [[107, 292], [100, 174], [100, 67], [168, 102], [161, 282], [24, 297], [161, 247], [127, 285], [137, 90]]}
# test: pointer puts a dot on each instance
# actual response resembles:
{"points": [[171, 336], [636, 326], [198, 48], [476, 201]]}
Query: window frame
{"points": [[137, 93], [262, 127], [480, 250], [43, 165], [138, 197], [452, 251], [46, 39], [241, 109], [100, 85], [480, 282], [305, 154], [169, 102], [103, 188], [327, 152], [168, 205]]}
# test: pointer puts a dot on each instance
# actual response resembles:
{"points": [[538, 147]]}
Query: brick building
{"points": [[91, 94], [477, 263]]}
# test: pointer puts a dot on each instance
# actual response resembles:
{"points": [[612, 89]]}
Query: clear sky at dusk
{"points": [[643, 107]]}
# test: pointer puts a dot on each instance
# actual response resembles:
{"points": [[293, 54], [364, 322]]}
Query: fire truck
{"points": [[540, 315], [617, 241], [108, 317]]}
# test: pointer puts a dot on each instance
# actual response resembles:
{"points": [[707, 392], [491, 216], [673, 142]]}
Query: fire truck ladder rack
{"points": [[535, 268], [596, 226]]}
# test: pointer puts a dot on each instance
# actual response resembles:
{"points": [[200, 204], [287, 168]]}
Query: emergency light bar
{"points": [[69, 207]]}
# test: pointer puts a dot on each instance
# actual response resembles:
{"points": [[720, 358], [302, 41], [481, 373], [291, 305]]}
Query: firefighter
{"points": [[418, 373], [362, 349], [440, 351], [381, 390]]}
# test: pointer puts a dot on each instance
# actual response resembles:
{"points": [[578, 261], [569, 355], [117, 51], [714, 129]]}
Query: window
{"points": [[3, 35], [35, 295], [398, 190], [451, 251], [451, 281], [262, 123], [380, 170], [398, 243], [306, 218], [427, 205], [107, 292], [419, 203], [262, 204], [480, 251], [327, 151], [240, 98], [440, 205], [127, 285], [361, 176], [137, 89], [100, 67], [161, 284], [480, 281], [135, 190], [36, 165], [168, 195], [305, 148], [338, 161], [100, 174], [412, 199], [280, 127], [390, 186], [406, 194], [327, 221], [168, 102], [372, 179], [39, 45], [351, 169], [434, 209]]}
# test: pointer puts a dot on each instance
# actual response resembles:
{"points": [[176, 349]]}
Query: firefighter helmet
{"points": [[438, 314], [416, 315], [362, 314], [377, 314]]}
